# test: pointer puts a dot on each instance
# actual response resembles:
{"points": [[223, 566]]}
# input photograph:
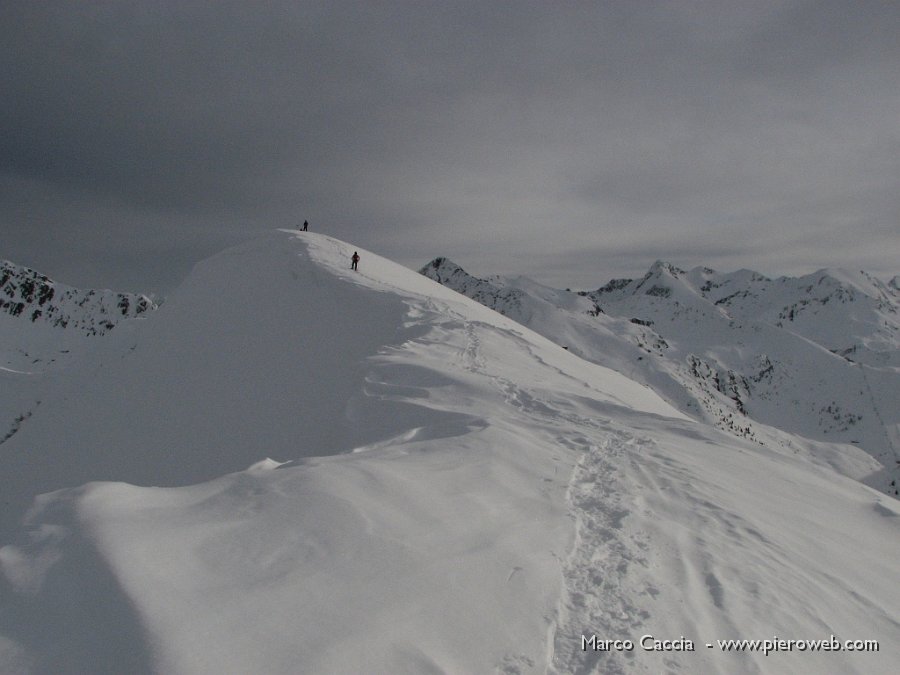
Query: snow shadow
{"points": [[63, 607]]}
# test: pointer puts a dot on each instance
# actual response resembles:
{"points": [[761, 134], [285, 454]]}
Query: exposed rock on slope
{"points": [[25, 293]]}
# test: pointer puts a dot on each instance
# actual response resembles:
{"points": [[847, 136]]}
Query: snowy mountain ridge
{"points": [[28, 294], [816, 356], [331, 471], [844, 312]]}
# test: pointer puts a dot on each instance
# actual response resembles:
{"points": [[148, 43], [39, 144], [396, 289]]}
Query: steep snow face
{"points": [[815, 357], [445, 491], [212, 377]]}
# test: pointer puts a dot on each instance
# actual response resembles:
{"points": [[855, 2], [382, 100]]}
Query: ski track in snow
{"points": [[594, 601], [595, 573]]}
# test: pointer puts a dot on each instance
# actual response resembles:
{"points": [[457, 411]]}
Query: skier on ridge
{"points": [[354, 260]]}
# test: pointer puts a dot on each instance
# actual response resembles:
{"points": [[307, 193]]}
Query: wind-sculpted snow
{"points": [[368, 472], [817, 357]]}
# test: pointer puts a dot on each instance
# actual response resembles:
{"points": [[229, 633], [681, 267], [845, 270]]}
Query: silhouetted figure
{"points": [[305, 225], [354, 260]]}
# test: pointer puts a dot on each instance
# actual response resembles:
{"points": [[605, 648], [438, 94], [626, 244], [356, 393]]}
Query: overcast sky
{"points": [[571, 142]]}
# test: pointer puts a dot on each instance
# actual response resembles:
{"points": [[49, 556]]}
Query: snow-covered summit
{"points": [[368, 472]]}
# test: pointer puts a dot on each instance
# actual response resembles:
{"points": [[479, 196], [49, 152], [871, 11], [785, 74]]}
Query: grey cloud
{"points": [[535, 137]]}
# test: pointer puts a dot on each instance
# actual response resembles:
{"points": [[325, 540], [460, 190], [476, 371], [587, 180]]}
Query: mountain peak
{"points": [[442, 267], [32, 296], [662, 267]]}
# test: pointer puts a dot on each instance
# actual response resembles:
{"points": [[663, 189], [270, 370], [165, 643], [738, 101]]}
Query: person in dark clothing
{"points": [[354, 260], [305, 225]]}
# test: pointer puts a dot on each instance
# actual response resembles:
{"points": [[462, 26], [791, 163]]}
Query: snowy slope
{"points": [[807, 364], [47, 328], [447, 492]]}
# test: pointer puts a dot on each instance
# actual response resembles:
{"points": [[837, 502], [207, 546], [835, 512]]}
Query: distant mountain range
{"points": [[26, 293], [817, 357]]}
